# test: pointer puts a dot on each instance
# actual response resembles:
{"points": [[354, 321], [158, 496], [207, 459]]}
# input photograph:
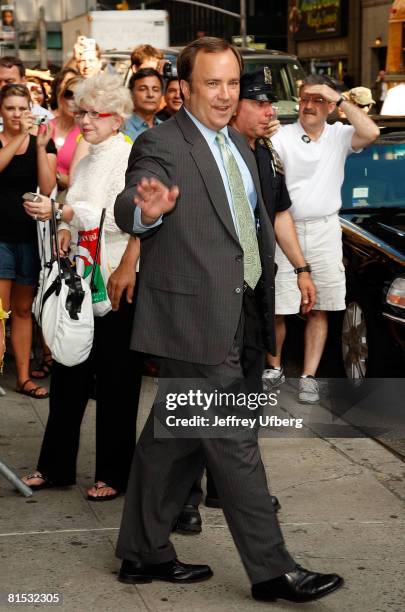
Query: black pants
{"points": [[164, 470], [196, 493], [118, 372]]}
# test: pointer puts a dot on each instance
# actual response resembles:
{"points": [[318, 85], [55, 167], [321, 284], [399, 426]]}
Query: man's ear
{"points": [[185, 89]]}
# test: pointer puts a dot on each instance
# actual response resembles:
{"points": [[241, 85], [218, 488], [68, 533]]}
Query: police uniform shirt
{"points": [[272, 179]]}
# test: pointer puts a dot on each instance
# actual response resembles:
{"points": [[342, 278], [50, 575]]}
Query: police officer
{"points": [[255, 118]]}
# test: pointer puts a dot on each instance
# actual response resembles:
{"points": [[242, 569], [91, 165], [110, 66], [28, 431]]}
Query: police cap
{"points": [[257, 86]]}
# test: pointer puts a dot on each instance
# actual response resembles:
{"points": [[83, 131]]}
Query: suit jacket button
{"points": [[238, 290], [239, 258]]}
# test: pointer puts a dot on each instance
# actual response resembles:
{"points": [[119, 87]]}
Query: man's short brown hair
{"points": [[8, 61], [319, 79], [207, 44], [142, 52]]}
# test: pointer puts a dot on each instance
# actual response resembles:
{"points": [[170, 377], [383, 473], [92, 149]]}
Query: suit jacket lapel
{"points": [[208, 169]]}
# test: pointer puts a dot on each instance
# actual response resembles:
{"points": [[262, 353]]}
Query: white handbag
{"points": [[65, 310]]}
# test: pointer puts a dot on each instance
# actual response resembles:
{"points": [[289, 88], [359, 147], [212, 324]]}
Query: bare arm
{"points": [[286, 237], [8, 151], [366, 130], [46, 161], [124, 277]]}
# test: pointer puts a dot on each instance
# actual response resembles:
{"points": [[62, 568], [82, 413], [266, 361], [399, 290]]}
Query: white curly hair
{"points": [[105, 93]]}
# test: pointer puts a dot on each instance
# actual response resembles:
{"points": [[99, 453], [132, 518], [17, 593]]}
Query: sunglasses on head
{"points": [[68, 94]]}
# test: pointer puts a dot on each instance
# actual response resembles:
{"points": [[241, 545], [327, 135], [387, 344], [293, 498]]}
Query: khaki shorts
{"points": [[321, 244]]}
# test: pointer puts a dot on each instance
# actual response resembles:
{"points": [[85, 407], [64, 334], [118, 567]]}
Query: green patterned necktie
{"points": [[245, 221]]}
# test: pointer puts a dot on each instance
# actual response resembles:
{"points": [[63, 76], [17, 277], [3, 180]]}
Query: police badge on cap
{"points": [[258, 86]]}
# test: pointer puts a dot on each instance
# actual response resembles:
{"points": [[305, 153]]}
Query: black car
{"points": [[371, 332]]}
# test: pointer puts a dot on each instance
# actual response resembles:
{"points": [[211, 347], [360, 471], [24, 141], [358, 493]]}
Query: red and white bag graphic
{"points": [[91, 259]]}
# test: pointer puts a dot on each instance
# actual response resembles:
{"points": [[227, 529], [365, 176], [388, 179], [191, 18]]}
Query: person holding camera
{"points": [[146, 87], [26, 161]]}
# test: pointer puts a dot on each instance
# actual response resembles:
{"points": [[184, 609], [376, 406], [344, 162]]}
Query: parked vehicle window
{"points": [[375, 177]]}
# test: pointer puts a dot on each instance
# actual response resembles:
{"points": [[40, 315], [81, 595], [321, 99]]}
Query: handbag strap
{"points": [[54, 235], [93, 286], [76, 294]]}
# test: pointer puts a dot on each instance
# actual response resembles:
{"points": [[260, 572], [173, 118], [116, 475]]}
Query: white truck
{"points": [[117, 29]]}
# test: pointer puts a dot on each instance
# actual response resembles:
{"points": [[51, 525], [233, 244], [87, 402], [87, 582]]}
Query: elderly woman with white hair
{"points": [[102, 106]]}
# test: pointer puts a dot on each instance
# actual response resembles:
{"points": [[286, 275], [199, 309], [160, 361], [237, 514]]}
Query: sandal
{"points": [[44, 369], [32, 392], [45, 484], [102, 485]]}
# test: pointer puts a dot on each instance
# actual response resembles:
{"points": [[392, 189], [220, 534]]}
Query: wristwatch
{"points": [[341, 99], [306, 268]]}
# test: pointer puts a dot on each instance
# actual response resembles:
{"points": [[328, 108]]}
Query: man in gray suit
{"points": [[205, 307]]}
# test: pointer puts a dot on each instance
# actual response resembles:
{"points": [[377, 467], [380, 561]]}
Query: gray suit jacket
{"points": [[191, 271]]}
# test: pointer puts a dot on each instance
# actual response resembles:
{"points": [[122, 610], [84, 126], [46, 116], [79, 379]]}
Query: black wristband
{"points": [[341, 99], [306, 268]]}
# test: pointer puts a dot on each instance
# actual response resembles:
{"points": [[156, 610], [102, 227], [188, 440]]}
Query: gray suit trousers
{"points": [[164, 470]]}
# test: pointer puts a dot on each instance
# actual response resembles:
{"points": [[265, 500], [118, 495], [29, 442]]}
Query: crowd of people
{"points": [[205, 196]]}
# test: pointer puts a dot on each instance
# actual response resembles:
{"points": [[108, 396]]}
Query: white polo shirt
{"points": [[314, 169]]}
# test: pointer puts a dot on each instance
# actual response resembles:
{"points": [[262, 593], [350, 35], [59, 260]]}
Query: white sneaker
{"points": [[272, 377], [2, 392], [308, 390]]}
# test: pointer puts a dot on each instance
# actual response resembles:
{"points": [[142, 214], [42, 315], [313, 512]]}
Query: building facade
{"points": [[27, 27], [374, 40], [340, 38]]}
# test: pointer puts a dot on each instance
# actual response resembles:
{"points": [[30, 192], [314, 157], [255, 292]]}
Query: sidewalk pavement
{"points": [[342, 511]]}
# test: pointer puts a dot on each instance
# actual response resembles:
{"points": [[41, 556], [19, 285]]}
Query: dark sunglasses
{"points": [[68, 94]]}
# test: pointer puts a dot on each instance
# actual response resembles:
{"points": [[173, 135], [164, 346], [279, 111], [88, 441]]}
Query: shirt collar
{"points": [[139, 123], [321, 137], [208, 134]]}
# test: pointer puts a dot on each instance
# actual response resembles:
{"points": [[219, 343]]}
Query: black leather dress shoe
{"points": [[132, 572], [213, 502], [189, 521], [298, 585]]}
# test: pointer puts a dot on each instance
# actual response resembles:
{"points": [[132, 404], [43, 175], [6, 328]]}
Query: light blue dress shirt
{"points": [[210, 136], [135, 125]]}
